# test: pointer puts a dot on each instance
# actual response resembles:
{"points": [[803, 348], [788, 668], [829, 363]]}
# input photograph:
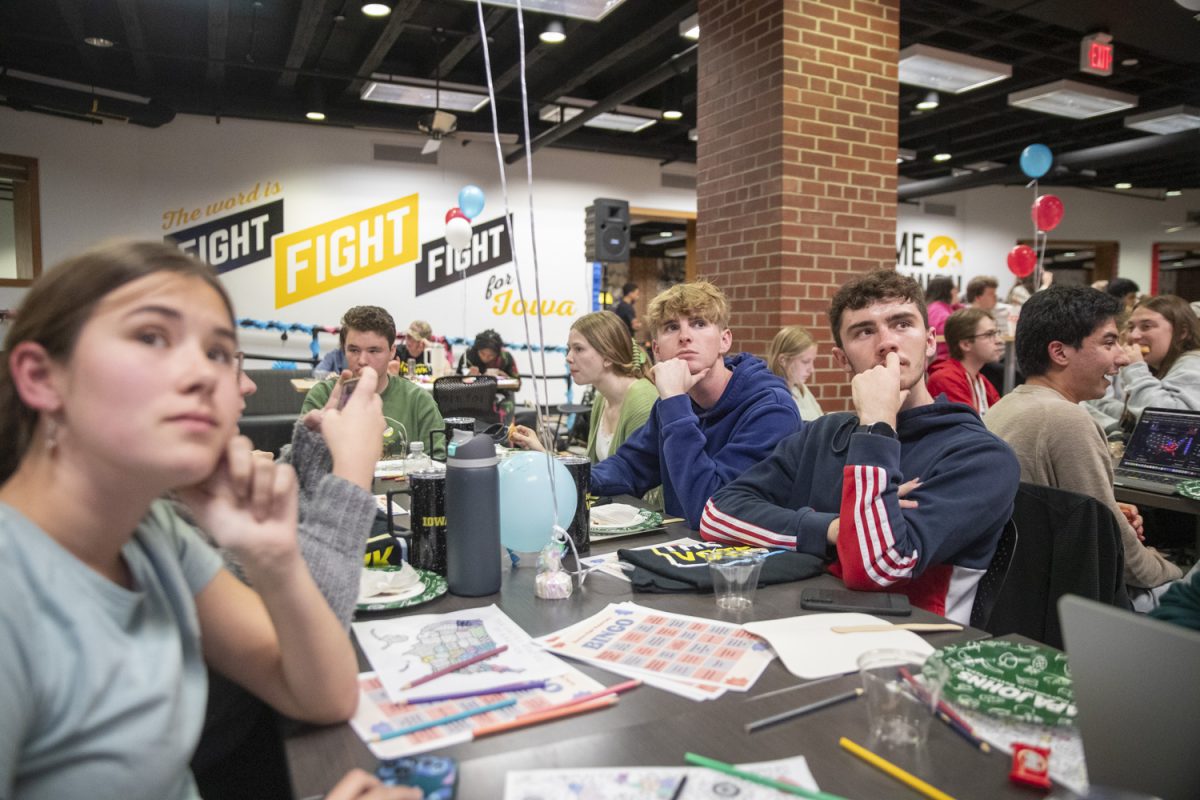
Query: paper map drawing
{"points": [[402, 649]]}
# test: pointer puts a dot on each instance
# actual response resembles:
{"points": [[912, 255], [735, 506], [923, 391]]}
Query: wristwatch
{"points": [[877, 428]]}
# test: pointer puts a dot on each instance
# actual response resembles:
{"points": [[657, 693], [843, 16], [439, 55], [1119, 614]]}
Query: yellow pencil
{"points": [[882, 764]]}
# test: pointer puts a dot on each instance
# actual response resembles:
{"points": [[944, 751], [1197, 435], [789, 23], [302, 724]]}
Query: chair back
{"points": [[988, 590], [467, 396], [1070, 544]]}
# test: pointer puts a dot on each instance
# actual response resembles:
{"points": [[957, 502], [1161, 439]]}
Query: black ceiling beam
{"points": [[469, 42], [679, 64], [540, 51], [218, 40], [137, 43], [305, 30], [396, 21], [666, 26]]}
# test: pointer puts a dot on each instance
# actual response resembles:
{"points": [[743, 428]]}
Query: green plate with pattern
{"points": [[435, 587], [647, 520], [1189, 489], [1019, 682]]}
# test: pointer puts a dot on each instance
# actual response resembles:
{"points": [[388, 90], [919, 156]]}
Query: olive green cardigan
{"points": [[635, 410]]}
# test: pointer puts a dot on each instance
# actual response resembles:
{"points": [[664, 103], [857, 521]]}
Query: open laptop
{"points": [[1163, 450], [1138, 695]]}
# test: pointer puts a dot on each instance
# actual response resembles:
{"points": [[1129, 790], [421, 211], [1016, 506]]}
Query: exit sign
{"points": [[1096, 54]]}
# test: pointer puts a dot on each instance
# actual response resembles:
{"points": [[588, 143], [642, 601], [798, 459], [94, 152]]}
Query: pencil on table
{"points": [[754, 777], [456, 666], [433, 723], [751, 727], [883, 765], [538, 717]]}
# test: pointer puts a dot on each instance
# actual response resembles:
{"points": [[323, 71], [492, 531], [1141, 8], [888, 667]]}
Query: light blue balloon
{"points": [[470, 200], [1036, 160], [526, 507]]}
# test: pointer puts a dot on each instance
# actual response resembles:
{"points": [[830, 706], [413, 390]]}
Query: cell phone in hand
{"points": [[885, 603], [435, 776], [347, 389]]}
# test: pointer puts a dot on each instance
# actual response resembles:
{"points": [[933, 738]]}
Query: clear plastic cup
{"points": [[734, 581], [900, 712]]}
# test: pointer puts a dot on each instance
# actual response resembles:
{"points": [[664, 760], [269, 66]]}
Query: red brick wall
{"points": [[796, 161]]}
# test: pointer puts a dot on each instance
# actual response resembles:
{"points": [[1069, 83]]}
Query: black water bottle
{"points": [[472, 517]]}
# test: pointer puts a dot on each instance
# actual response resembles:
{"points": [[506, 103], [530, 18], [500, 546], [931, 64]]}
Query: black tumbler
{"points": [[580, 528], [453, 424], [427, 545]]}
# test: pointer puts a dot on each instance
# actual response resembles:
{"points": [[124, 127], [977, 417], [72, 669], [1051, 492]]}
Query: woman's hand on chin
{"points": [[248, 505]]}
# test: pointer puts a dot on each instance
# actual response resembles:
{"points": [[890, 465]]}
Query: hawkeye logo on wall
{"points": [[335, 253], [919, 259]]}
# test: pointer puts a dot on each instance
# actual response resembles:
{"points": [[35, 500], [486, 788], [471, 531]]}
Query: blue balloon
{"points": [[1036, 160], [526, 507], [470, 200]]}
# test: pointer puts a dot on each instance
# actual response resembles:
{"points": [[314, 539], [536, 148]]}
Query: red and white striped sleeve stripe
{"points": [[871, 537], [717, 526]]}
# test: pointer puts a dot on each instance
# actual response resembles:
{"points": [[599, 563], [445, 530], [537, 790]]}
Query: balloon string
{"points": [[508, 212]]}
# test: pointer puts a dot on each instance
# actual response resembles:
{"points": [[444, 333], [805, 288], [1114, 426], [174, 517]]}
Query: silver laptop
{"points": [[1137, 688], [1163, 450]]}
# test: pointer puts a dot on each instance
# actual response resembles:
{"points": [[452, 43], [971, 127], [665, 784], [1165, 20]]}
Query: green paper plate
{"points": [[1019, 682], [646, 520], [1189, 489], [435, 587]]}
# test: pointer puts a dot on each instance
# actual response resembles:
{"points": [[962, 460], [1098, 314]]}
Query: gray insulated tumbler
{"points": [[472, 517]]}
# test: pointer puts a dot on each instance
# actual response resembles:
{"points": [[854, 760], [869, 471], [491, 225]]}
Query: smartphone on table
{"points": [[886, 603]]}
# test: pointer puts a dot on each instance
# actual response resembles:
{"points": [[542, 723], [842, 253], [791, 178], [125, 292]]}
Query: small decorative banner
{"points": [[1018, 682]]}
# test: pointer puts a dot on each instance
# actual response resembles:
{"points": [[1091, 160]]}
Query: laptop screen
{"points": [[1166, 442]]}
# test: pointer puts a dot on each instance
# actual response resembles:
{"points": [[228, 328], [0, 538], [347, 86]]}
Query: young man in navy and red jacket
{"points": [[908, 495], [716, 415]]}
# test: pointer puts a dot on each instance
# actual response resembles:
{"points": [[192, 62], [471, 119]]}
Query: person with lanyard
{"points": [[600, 353], [974, 342], [102, 686]]}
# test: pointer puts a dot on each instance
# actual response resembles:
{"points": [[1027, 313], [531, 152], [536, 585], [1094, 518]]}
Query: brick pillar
{"points": [[796, 172]]}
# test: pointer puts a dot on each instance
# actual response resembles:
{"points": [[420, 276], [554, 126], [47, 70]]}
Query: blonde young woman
{"points": [[791, 356], [600, 353], [120, 384], [1162, 343]]}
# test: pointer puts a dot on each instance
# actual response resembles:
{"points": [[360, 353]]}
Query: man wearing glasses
{"points": [[974, 341]]}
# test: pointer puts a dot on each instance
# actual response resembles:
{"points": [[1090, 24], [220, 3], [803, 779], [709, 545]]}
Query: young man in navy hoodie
{"points": [[908, 494], [716, 415]]}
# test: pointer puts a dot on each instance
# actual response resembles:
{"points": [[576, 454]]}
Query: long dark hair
{"points": [[61, 302]]}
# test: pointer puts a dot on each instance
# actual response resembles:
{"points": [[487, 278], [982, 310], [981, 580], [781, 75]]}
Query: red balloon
{"points": [[456, 212], [1021, 260], [1047, 212]]}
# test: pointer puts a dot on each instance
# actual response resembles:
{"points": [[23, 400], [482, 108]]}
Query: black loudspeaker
{"points": [[607, 230]]}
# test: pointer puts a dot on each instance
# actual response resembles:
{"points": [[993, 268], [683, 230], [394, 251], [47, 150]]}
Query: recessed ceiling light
{"points": [[1069, 254], [672, 114], [1072, 99], [666, 233], [1172, 193], [928, 102], [1122, 185], [1129, 62], [942, 156], [554, 33], [315, 116], [425, 95], [1166, 120], [947, 71], [98, 41], [376, 9], [690, 27]]}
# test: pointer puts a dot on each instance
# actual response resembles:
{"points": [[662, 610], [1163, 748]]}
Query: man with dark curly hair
{"points": [[367, 336]]}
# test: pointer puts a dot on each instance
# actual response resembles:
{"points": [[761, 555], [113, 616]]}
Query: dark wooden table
{"points": [[652, 727]]}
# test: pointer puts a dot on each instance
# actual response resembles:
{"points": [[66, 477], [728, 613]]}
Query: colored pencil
{"points": [[439, 698], [616, 688], [455, 667], [678, 793], [970, 737], [433, 723], [761, 780], [883, 765], [751, 727], [538, 717], [942, 705]]}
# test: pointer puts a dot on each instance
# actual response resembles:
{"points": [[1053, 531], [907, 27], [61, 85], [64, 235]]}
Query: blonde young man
{"points": [[908, 494], [716, 415]]}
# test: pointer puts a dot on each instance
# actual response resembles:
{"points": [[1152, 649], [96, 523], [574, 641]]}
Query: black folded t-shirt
{"points": [[684, 568]]}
